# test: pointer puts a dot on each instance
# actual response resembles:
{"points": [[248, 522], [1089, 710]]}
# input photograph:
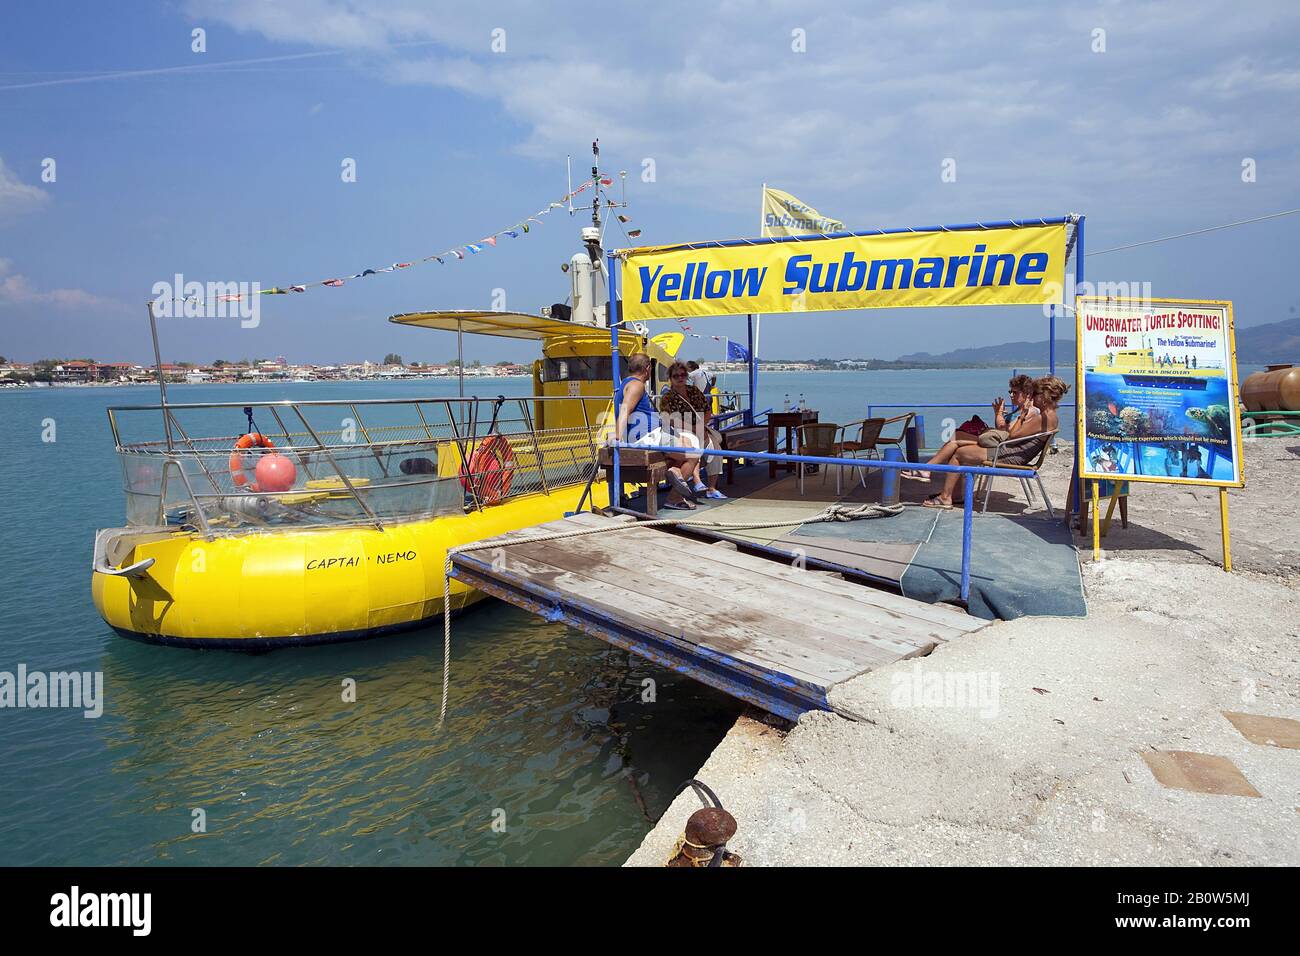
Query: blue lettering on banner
{"points": [[851, 274], [698, 282]]}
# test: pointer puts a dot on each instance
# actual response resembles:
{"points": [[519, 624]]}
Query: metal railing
{"points": [[949, 405], [970, 471], [920, 419], [367, 461]]}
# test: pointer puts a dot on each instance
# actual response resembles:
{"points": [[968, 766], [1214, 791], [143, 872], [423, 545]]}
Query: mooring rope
{"points": [[835, 512]]}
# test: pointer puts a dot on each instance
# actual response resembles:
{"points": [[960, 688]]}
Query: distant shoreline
{"points": [[1063, 368], [719, 369], [902, 368]]}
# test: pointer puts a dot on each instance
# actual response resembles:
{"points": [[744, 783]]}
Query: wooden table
{"points": [[789, 421]]}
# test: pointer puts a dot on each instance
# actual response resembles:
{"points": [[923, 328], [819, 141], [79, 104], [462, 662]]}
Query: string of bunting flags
{"points": [[734, 351], [453, 254]]}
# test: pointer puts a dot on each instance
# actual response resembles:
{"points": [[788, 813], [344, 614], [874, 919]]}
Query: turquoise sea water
{"points": [[547, 730]]}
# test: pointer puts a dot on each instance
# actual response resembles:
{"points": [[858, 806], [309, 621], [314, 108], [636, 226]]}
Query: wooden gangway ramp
{"points": [[758, 629]]}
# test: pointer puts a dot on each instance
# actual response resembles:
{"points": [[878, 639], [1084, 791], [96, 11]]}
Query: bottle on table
{"points": [[787, 402]]}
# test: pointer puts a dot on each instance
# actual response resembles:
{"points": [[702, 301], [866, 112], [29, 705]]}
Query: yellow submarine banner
{"points": [[1015, 265]]}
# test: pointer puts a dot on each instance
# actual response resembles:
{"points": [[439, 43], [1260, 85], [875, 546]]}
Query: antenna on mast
{"points": [[584, 269], [595, 181], [591, 235]]}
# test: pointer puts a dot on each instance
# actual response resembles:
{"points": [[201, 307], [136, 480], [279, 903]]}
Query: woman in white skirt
{"points": [[686, 409], [639, 423]]}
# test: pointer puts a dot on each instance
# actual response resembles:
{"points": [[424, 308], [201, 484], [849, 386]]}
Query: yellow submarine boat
{"points": [[329, 521], [1140, 367]]}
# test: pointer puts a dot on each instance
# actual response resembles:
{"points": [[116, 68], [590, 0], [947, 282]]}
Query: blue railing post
{"points": [[967, 517], [890, 480], [614, 320]]}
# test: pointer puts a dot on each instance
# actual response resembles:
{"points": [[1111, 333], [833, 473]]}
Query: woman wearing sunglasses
{"points": [[687, 408], [639, 424]]}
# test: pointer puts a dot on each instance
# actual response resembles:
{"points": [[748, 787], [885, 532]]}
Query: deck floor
{"points": [[759, 629], [918, 552]]}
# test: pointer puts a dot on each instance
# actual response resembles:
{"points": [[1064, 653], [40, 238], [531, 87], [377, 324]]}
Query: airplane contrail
{"points": [[198, 67]]}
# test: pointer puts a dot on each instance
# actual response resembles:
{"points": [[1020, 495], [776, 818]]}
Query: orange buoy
{"points": [[491, 470], [275, 472], [237, 473]]}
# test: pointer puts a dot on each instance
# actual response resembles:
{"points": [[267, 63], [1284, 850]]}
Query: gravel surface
{"points": [[1022, 743]]}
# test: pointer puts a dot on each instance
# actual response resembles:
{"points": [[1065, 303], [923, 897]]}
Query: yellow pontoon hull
{"points": [[262, 590]]}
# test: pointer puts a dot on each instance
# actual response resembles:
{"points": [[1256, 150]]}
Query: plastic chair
{"points": [[818, 440], [1010, 445]]}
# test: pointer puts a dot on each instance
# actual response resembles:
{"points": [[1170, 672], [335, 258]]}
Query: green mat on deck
{"points": [[1019, 565]]}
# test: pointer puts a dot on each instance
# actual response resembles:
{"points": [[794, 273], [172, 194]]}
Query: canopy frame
{"points": [[613, 257]]}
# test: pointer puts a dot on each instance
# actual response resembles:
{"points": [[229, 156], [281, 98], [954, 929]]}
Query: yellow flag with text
{"points": [[783, 215]]}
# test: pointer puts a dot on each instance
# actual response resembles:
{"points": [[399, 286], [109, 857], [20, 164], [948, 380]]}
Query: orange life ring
{"points": [[491, 470], [237, 473]]}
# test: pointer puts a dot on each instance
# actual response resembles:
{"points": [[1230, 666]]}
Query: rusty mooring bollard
{"points": [[707, 831]]}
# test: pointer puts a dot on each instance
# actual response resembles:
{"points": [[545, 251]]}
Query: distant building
{"points": [[73, 373], [115, 371]]}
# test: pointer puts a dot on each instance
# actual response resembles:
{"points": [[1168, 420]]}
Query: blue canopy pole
{"points": [[753, 375], [1051, 340], [615, 319], [1078, 375]]}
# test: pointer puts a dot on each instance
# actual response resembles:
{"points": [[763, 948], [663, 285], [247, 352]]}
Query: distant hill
{"points": [[1256, 345], [1265, 344], [1008, 353]]}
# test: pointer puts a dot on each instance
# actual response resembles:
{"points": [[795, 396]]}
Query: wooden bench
{"points": [[742, 438], [637, 466]]}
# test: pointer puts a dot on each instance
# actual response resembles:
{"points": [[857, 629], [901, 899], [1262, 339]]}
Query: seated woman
{"points": [[687, 408], [1021, 420], [638, 422], [1047, 394]]}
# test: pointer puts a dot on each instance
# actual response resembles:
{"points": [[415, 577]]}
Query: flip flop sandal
{"points": [[915, 476], [684, 506], [679, 485], [934, 502]]}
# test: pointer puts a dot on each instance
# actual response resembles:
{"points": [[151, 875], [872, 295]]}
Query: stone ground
{"points": [[1024, 742]]}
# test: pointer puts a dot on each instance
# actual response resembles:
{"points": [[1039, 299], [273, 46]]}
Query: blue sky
{"points": [[232, 173]]}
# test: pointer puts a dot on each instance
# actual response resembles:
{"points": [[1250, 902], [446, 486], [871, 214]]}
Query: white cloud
{"points": [[859, 124], [17, 197], [15, 290]]}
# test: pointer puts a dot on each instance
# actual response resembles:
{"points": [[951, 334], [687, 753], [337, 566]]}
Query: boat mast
{"points": [[162, 380]]}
